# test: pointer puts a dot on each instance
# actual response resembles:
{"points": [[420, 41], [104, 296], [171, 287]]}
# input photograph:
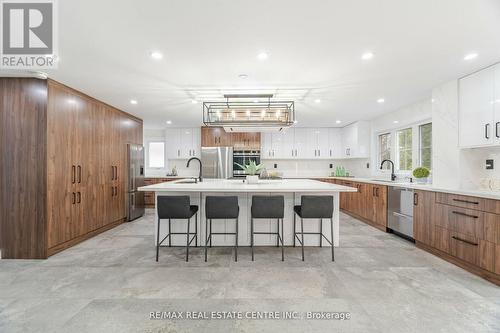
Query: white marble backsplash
{"points": [[317, 168]]}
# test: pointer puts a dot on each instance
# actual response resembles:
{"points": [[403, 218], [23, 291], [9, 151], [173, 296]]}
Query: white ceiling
{"points": [[314, 49]]}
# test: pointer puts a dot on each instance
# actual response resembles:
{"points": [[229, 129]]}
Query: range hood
{"points": [[249, 113]]}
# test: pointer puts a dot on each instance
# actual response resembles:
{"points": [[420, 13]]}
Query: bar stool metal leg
{"points": [[187, 240], [206, 238], [158, 240], [236, 247], [321, 232], [278, 234], [294, 228], [282, 242], [331, 228], [302, 233], [210, 232], [196, 230], [169, 231], [251, 237]]}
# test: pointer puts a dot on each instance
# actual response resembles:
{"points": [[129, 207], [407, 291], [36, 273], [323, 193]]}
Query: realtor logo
{"points": [[28, 34]]}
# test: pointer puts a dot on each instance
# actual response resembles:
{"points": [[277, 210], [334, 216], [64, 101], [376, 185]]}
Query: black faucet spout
{"points": [[393, 175], [199, 161]]}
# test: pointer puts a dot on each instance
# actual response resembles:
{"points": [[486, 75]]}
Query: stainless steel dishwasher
{"points": [[400, 211]]}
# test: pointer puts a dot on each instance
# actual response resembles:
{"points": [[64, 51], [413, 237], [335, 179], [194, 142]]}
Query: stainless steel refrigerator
{"points": [[217, 162], [135, 160]]}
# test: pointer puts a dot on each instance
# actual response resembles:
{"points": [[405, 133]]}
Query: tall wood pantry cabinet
{"points": [[63, 177]]}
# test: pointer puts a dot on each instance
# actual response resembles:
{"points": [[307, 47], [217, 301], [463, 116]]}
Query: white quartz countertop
{"points": [[230, 185], [425, 187]]}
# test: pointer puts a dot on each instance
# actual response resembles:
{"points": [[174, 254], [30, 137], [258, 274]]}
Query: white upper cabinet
{"points": [[317, 143], [479, 119], [356, 140], [334, 143], [183, 143]]}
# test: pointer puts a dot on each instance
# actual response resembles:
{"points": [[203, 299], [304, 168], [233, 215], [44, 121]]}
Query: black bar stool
{"points": [[268, 207], [314, 207], [219, 207], [176, 207]]}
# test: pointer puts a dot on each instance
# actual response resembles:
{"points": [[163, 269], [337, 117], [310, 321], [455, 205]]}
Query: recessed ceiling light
{"points": [[156, 55], [396, 121], [338, 121], [262, 56], [243, 76], [169, 122], [470, 56], [193, 101], [380, 100], [133, 101], [317, 100], [367, 55]]}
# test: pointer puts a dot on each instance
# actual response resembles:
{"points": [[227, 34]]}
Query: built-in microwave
{"points": [[243, 157]]}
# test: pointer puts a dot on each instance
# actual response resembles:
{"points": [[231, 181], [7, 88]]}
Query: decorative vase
{"points": [[252, 179], [421, 180]]}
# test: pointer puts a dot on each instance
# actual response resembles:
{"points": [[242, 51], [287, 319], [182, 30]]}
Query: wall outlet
{"points": [[331, 166], [275, 165], [368, 165], [489, 164]]}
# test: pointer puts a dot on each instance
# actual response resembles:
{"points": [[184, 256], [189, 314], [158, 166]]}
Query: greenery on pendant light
{"points": [[251, 169]]}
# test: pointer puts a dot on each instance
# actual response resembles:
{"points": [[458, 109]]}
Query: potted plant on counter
{"points": [[421, 174], [251, 170]]}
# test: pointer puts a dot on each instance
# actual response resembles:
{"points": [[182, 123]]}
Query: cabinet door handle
{"points": [[79, 174], [496, 129], [466, 201], [178, 152], [373, 191], [116, 172], [376, 191], [319, 153], [464, 214], [486, 131], [464, 240], [415, 199], [112, 173], [79, 196], [330, 153], [73, 174], [112, 191], [74, 198]]}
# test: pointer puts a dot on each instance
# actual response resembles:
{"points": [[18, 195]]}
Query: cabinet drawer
{"points": [[486, 205], [467, 248], [465, 221]]}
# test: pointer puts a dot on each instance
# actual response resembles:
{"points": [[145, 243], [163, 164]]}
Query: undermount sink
{"points": [[384, 180], [188, 181]]}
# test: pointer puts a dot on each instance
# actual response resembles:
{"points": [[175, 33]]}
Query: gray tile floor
{"points": [[111, 283]]}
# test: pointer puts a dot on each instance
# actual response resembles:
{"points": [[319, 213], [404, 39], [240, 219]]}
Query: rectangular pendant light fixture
{"points": [[249, 110]]}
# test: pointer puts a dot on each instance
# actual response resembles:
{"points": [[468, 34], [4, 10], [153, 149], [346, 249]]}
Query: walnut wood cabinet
{"points": [[461, 229], [368, 204], [78, 179], [218, 137]]}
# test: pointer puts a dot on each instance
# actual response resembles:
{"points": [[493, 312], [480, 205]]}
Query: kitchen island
{"points": [[291, 189]]}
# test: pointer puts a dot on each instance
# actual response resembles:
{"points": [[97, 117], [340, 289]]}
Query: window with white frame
{"points": [[384, 148], [404, 150], [425, 145], [156, 154]]}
